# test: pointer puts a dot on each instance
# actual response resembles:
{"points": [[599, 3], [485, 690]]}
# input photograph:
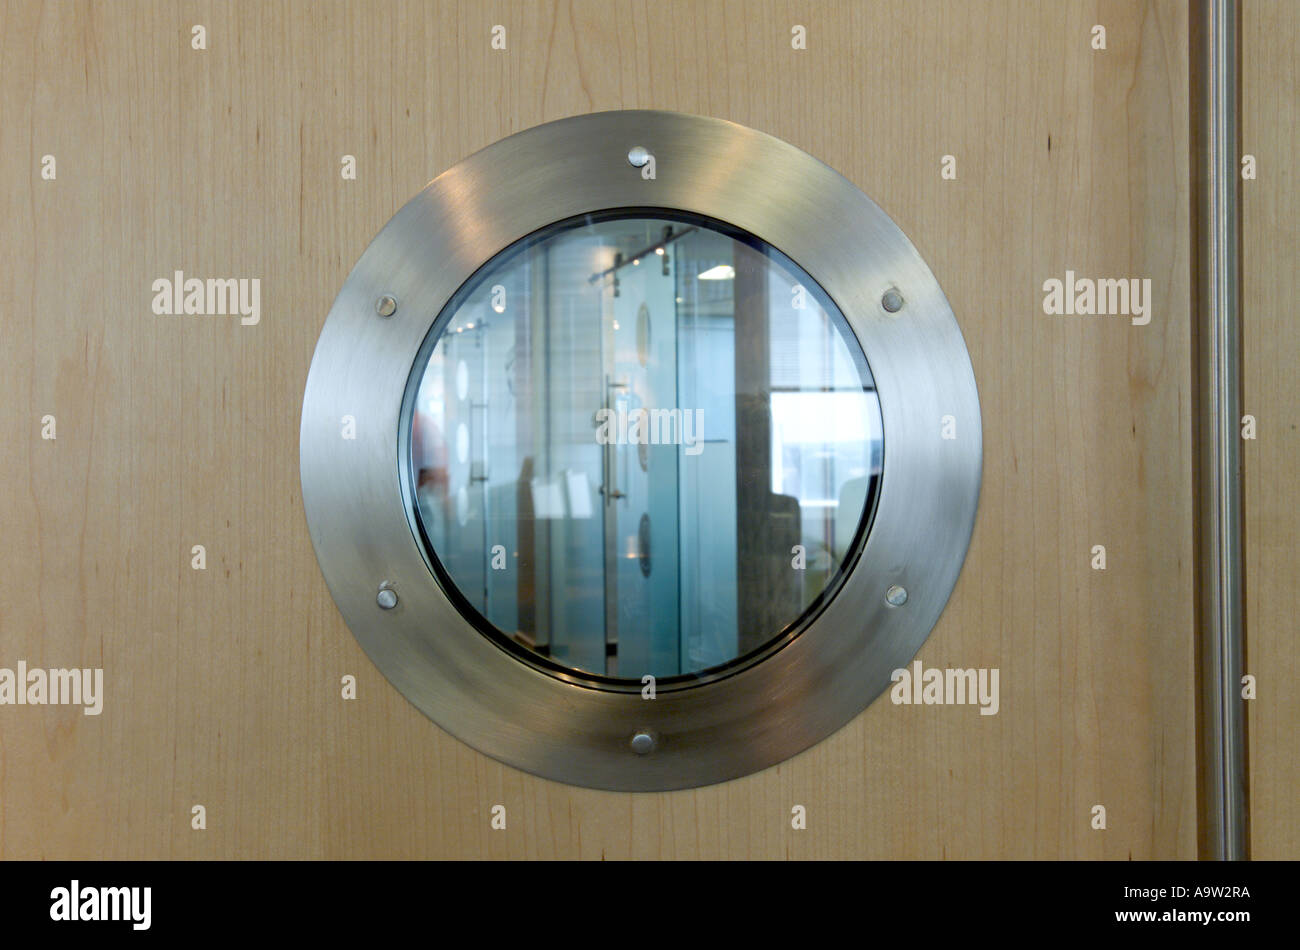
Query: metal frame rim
{"points": [[761, 714]]}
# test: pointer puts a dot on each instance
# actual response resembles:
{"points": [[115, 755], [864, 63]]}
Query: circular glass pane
{"points": [[642, 444]]}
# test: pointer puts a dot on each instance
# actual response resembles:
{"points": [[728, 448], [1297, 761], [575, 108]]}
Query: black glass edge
{"points": [[497, 636]]}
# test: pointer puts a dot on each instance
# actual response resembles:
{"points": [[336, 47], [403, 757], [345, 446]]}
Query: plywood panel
{"points": [[223, 685], [1270, 91]]}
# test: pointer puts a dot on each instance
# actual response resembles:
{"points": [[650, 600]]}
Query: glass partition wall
{"points": [[642, 444]]}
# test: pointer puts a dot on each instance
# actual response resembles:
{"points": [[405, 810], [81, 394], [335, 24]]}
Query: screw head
{"points": [[643, 743], [896, 596], [892, 301], [386, 306], [386, 598], [637, 156]]}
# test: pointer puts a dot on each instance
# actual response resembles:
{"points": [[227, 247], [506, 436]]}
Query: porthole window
{"points": [[639, 449], [641, 444]]}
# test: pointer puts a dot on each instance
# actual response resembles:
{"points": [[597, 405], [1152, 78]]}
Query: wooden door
{"points": [[222, 686]]}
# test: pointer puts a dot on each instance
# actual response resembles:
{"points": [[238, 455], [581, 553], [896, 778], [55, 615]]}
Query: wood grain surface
{"points": [[1270, 95], [223, 685]]}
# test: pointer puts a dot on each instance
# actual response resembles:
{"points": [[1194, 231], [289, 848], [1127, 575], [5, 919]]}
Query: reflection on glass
{"points": [[641, 445]]}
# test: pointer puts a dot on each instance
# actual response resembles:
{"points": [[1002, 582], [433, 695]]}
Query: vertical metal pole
{"points": [[1215, 67]]}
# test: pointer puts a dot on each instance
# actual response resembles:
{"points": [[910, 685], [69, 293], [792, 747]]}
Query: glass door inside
{"points": [[641, 444]]}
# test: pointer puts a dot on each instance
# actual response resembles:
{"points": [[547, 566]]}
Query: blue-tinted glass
{"points": [[642, 445]]}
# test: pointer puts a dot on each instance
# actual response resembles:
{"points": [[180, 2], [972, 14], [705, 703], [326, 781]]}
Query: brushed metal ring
{"points": [[568, 731]]}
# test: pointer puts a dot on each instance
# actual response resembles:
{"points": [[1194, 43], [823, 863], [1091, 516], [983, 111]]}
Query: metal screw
{"points": [[892, 301], [386, 306], [387, 597], [643, 743], [896, 596], [637, 156]]}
